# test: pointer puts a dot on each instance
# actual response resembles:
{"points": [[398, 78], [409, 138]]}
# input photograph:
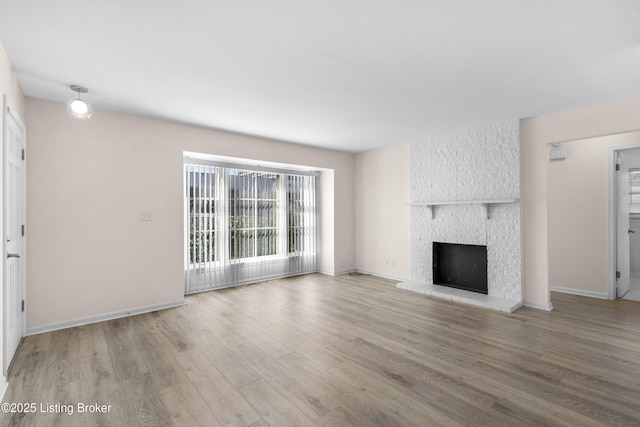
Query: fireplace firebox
{"points": [[460, 266]]}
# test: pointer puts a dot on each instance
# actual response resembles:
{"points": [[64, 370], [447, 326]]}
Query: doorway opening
{"points": [[625, 277]]}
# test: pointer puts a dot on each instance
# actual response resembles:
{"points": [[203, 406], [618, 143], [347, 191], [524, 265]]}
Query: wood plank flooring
{"points": [[316, 350]]}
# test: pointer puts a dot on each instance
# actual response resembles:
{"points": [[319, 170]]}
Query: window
{"points": [[201, 220], [634, 191], [245, 225], [299, 208], [253, 213]]}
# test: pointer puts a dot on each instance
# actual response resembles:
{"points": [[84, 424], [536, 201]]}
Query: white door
{"points": [[623, 263], [14, 220]]}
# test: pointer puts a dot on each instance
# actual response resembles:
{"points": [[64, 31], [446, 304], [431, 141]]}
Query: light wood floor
{"points": [[351, 350], [634, 292]]}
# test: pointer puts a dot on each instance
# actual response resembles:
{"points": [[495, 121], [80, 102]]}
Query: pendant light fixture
{"points": [[79, 108]]}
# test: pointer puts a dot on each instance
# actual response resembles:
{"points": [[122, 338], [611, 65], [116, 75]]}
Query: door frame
{"points": [[7, 111], [613, 219]]}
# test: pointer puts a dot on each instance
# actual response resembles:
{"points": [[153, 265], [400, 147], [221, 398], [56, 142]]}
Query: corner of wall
{"points": [[326, 226], [382, 231]]}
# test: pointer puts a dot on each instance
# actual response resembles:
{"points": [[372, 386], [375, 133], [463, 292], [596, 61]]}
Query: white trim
{"points": [[612, 225], [244, 164], [336, 273], [359, 271], [538, 305], [384, 276], [102, 317], [581, 292], [13, 113], [613, 218], [4, 384], [8, 110]]}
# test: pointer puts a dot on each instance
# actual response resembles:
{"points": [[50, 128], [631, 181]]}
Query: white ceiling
{"points": [[351, 75]]}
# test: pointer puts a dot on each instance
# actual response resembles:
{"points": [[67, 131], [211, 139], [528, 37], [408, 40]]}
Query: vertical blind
{"points": [[244, 226]]}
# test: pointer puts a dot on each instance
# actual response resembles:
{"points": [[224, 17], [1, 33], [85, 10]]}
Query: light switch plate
{"points": [[558, 154]]}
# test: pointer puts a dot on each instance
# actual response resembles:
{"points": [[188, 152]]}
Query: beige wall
{"points": [[382, 225], [325, 227], [8, 86], [89, 253], [536, 134], [578, 208]]}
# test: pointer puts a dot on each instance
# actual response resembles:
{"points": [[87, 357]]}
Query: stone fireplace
{"points": [[465, 189]]}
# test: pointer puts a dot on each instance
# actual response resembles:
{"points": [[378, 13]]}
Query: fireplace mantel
{"points": [[484, 203]]}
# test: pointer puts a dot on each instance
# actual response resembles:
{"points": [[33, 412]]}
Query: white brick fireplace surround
{"points": [[476, 176]]}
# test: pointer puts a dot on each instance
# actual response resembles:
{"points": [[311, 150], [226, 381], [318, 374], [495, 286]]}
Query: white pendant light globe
{"points": [[79, 108]]}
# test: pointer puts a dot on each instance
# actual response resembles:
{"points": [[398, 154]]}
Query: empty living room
{"points": [[328, 214]]}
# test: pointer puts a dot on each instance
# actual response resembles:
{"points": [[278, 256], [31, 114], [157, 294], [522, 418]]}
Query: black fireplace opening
{"points": [[460, 266]]}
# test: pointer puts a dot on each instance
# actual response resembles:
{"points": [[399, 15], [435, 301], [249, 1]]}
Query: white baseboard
{"points": [[102, 317], [336, 273], [384, 276], [357, 270], [581, 292], [538, 306]]}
